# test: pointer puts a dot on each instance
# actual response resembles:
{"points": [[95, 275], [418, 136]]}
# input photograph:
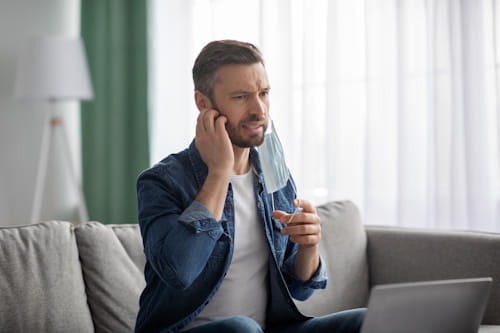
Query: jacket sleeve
{"points": [[178, 236], [299, 289]]}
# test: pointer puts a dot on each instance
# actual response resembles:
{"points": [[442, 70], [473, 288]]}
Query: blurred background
{"points": [[393, 105]]}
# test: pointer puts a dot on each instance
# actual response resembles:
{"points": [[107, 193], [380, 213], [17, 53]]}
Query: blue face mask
{"points": [[272, 160]]}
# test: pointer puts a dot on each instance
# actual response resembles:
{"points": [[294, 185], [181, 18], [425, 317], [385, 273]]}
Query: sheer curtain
{"points": [[391, 104]]}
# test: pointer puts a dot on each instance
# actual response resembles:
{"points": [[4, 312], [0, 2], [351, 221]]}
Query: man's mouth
{"points": [[252, 126]]}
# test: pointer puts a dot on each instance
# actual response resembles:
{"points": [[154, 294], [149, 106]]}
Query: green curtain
{"points": [[115, 145]]}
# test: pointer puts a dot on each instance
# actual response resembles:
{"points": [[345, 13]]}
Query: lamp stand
{"points": [[53, 126]]}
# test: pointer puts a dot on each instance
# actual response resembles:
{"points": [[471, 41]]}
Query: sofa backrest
{"points": [[343, 250], [113, 262], [41, 284]]}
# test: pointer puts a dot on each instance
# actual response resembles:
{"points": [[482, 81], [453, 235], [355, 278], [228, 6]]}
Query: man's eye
{"points": [[264, 93], [240, 97]]}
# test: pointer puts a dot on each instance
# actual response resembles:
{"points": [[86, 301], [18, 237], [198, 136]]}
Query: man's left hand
{"points": [[303, 227]]}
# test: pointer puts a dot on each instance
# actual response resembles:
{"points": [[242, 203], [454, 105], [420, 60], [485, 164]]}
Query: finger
{"points": [[283, 217], [308, 240], [200, 121], [278, 214], [302, 229], [305, 205], [220, 124], [209, 120], [300, 218]]}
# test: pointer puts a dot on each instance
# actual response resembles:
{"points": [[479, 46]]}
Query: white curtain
{"points": [[391, 104]]}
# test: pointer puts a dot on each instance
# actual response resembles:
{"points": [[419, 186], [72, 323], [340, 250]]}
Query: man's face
{"points": [[241, 94]]}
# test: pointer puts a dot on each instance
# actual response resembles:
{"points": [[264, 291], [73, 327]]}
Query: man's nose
{"points": [[258, 106]]}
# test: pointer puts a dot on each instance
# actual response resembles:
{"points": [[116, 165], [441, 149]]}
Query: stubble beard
{"points": [[238, 140]]}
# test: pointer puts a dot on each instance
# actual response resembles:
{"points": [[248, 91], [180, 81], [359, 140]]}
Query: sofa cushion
{"points": [[343, 250], [42, 288], [131, 240], [113, 263]]}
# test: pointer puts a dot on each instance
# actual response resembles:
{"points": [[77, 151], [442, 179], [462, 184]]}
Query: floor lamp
{"points": [[54, 69]]}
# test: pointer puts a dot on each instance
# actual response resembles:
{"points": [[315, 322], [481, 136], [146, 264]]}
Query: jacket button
{"points": [[206, 303]]}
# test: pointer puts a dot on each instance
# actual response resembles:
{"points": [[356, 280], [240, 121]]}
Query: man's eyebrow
{"points": [[243, 91], [240, 91]]}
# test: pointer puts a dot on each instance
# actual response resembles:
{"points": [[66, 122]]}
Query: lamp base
{"points": [[52, 127]]}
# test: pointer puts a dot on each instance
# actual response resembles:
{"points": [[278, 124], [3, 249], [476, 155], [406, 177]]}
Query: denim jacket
{"points": [[188, 252]]}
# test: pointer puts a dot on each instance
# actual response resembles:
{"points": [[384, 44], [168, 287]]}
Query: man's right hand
{"points": [[216, 150], [213, 142]]}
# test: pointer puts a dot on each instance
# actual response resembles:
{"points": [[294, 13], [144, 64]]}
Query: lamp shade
{"points": [[53, 68]]}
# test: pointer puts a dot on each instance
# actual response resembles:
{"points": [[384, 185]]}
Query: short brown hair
{"points": [[217, 54]]}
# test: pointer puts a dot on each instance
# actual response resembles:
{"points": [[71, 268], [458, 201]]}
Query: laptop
{"points": [[444, 306]]}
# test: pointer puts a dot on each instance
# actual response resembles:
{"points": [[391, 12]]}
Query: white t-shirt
{"points": [[244, 289]]}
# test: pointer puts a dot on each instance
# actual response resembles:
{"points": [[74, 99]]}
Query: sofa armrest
{"points": [[397, 254]]}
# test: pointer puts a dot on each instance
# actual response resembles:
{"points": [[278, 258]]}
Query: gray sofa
{"points": [[57, 277]]}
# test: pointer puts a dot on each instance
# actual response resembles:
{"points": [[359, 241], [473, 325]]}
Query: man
{"points": [[223, 255]]}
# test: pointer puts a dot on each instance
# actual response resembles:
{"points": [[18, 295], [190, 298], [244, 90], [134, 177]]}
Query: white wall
{"points": [[21, 123]]}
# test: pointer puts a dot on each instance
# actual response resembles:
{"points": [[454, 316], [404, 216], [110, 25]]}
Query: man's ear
{"points": [[202, 101]]}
